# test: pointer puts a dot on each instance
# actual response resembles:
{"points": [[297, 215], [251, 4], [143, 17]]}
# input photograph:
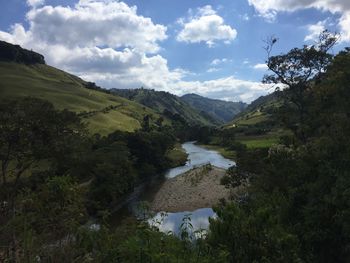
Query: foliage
{"points": [[296, 71], [295, 208], [28, 136], [113, 175]]}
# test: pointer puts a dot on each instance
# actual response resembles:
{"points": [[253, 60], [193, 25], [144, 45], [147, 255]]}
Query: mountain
{"points": [[224, 111], [161, 101], [24, 73]]}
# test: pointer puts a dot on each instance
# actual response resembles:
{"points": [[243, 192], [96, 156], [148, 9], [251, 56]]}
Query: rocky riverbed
{"points": [[200, 187]]}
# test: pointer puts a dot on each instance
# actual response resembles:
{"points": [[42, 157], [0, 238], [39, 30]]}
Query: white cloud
{"points": [[35, 3], [229, 88], [315, 30], [205, 26], [95, 23], [344, 24], [270, 8], [260, 66], [107, 42]]}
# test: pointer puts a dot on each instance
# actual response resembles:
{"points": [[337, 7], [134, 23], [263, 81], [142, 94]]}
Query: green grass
{"points": [[66, 91], [263, 142], [177, 156], [251, 119], [112, 121]]}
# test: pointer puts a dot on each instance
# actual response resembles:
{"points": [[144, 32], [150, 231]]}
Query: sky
{"points": [[212, 48]]}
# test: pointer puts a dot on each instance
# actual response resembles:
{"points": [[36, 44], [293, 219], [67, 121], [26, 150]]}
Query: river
{"points": [[197, 156]]}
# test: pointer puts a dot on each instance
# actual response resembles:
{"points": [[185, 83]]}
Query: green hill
{"points": [[257, 125], [161, 101], [258, 111], [102, 112], [221, 110]]}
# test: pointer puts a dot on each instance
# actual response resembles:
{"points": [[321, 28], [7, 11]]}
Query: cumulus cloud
{"points": [[94, 23], [205, 26], [107, 42], [269, 9], [94, 37]]}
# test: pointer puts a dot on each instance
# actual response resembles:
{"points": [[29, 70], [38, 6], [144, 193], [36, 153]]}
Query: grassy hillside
{"points": [[160, 101], [256, 126], [221, 110], [102, 112], [260, 110]]}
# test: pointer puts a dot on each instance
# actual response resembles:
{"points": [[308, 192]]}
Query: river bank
{"points": [[200, 187]]}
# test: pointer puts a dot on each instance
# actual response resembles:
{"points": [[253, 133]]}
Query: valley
{"points": [[142, 175]]}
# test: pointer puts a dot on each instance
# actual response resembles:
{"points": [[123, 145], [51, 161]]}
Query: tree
{"points": [[31, 130], [297, 70], [113, 174], [145, 125]]}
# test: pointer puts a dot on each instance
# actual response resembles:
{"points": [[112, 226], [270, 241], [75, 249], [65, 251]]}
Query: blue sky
{"points": [[213, 48]]}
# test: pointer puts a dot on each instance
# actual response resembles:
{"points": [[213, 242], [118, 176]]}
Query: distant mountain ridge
{"points": [[224, 111], [161, 101]]}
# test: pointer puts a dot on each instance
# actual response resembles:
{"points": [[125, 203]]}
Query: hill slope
{"points": [[103, 112], [260, 110], [221, 110], [160, 101]]}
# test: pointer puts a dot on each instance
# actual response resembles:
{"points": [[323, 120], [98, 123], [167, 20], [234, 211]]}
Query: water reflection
{"points": [[198, 156], [172, 221]]}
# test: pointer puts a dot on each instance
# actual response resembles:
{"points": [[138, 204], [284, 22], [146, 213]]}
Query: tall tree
{"points": [[296, 71]]}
